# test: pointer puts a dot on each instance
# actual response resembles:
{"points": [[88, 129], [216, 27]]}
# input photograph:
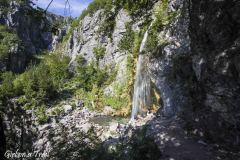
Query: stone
{"points": [[202, 142], [198, 64], [113, 127], [108, 110], [86, 127], [67, 108], [44, 127], [79, 103]]}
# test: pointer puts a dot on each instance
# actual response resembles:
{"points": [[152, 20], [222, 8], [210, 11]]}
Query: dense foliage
{"points": [[90, 76], [90, 81], [37, 86], [99, 53], [8, 39], [39, 81], [94, 6], [127, 42], [135, 7], [7, 87]]}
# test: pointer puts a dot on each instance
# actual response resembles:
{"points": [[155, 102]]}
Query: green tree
{"points": [[6, 86], [58, 68], [127, 42], [7, 40], [88, 76], [99, 53], [45, 79]]}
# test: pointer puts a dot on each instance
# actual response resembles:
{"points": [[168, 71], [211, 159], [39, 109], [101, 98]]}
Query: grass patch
{"points": [[41, 114]]}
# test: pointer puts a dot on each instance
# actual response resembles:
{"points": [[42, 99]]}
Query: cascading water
{"points": [[141, 95]]}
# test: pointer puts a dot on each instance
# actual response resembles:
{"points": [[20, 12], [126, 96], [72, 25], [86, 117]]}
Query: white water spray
{"points": [[141, 95]]}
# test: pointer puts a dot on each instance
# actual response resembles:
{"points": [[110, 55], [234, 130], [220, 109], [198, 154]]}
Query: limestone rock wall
{"points": [[32, 28], [86, 37], [198, 71], [172, 88], [215, 44]]}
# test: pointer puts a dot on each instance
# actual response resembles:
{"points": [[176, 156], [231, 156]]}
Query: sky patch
{"points": [[58, 6]]}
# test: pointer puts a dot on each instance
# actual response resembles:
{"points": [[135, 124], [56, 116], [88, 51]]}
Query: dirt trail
{"points": [[176, 145]]}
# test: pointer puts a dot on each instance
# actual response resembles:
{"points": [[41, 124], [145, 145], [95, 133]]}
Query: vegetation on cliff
{"points": [[49, 75], [8, 40], [51, 85], [163, 18]]}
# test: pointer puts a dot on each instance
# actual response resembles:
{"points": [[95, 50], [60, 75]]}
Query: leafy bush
{"points": [[7, 39], [119, 100], [43, 80], [131, 41], [6, 87], [110, 13], [93, 7], [108, 25], [91, 98], [152, 42], [95, 99], [4, 6], [99, 53], [127, 42], [73, 26], [58, 68], [35, 83], [90, 81], [57, 111], [41, 114], [163, 17], [130, 64], [88, 75], [137, 43], [80, 60], [4, 2], [135, 7]]}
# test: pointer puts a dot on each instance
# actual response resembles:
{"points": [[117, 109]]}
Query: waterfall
{"points": [[141, 95]]}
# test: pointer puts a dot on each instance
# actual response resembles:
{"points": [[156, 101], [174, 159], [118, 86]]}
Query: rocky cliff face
{"points": [[172, 88], [33, 28], [86, 37], [35, 31], [214, 31], [197, 72]]}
